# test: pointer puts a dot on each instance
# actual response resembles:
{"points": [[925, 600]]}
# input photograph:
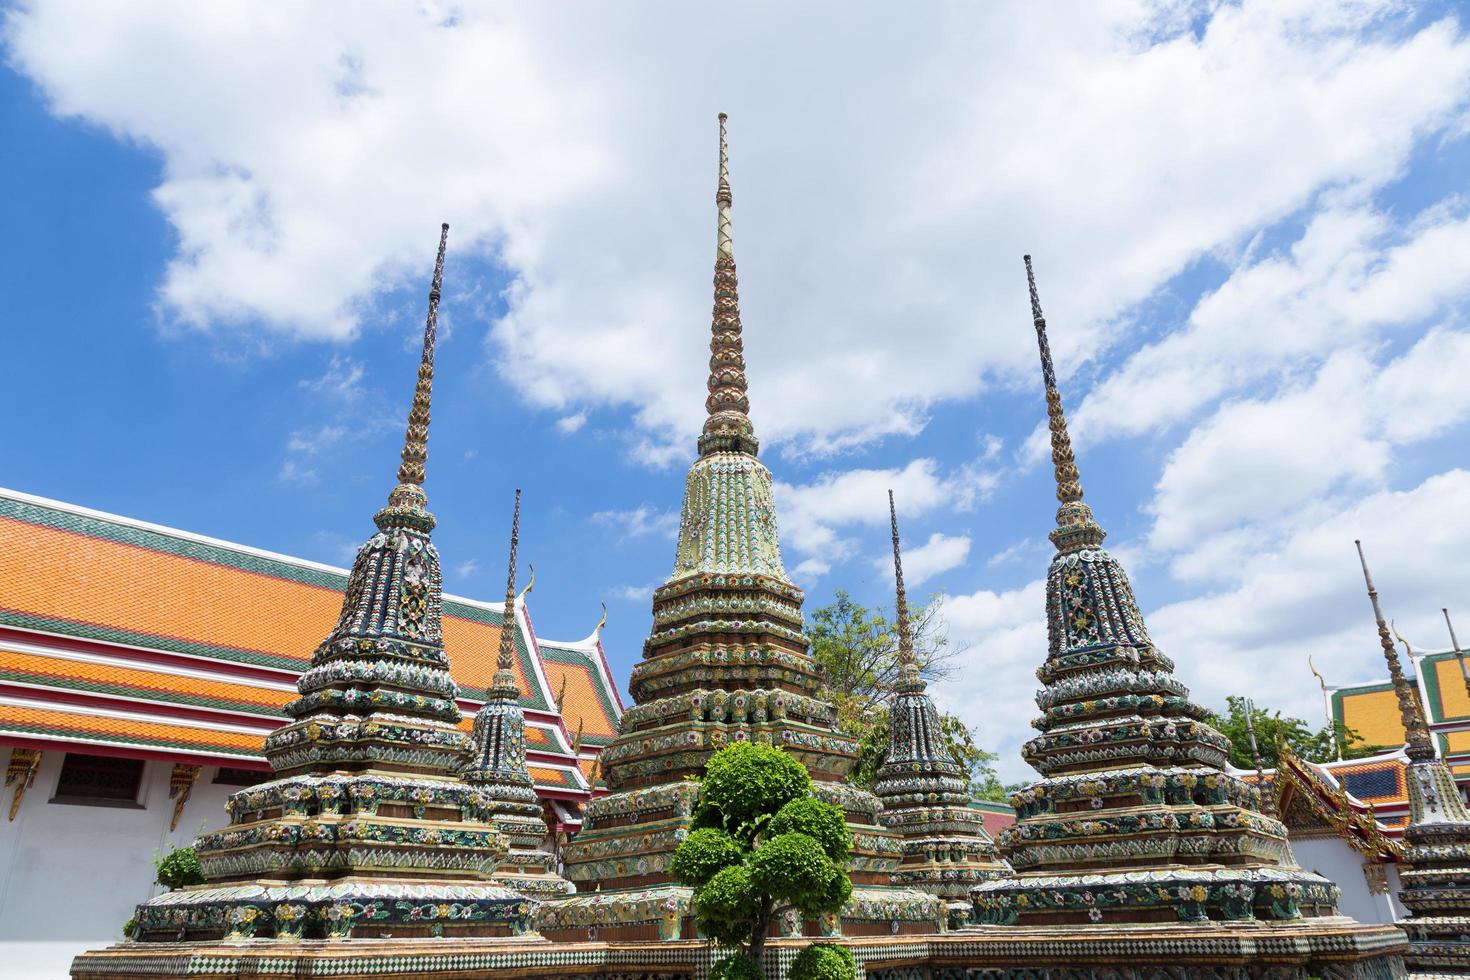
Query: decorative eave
{"points": [[1351, 819]]}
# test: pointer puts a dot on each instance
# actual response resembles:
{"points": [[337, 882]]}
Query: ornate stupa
{"points": [[1436, 885], [726, 661], [498, 764], [1135, 818], [366, 828], [925, 793]]}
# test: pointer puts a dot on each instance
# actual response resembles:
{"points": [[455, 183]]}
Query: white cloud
{"points": [[639, 521], [466, 568], [342, 380], [1307, 597], [634, 593], [885, 181], [937, 555], [1354, 273], [1256, 462], [1003, 639], [812, 513], [568, 424]]}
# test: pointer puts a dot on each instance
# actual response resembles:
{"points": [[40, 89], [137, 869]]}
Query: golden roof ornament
{"points": [[1075, 526], [1416, 729]]}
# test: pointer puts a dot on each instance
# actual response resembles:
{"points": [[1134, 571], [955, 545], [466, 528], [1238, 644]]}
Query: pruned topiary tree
{"points": [[762, 844]]}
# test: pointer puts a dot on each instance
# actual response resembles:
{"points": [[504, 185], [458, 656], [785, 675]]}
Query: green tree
{"points": [[858, 653], [1320, 745], [761, 844]]}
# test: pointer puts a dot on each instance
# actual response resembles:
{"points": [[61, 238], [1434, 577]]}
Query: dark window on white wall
{"points": [[99, 780], [228, 776]]}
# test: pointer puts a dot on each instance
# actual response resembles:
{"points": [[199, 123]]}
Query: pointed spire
{"points": [[1411, 711], [728, 426], [908, 663], [410, 493], [1075, 526], [1459, 654], [504, 685]]}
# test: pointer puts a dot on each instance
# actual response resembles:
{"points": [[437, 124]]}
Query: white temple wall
{"points": [[71, 874], [1334, 859]]}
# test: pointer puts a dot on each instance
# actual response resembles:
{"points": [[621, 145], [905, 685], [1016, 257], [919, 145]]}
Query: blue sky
{"points": [[1250, 222]]}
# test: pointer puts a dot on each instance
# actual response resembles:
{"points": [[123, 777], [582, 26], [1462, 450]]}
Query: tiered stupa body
{"points": [[726, 661], [925, 794], [365, 828], [1436, 883], [498, 766], [1135, 818]]}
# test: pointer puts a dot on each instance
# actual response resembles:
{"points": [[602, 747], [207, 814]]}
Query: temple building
{"points": [[726, 661]]}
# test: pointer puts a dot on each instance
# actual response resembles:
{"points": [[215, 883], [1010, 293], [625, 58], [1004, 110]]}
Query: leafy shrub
{"points": [[821, 821], [746, 781], [823, 961], [793, 867], [763, 861], [736, 966], [726, 906], [703, 853], [179, 867]]}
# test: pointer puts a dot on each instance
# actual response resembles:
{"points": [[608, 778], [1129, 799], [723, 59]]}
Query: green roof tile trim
{"points": [[1436, 707], [27, 512], [138, 537]]}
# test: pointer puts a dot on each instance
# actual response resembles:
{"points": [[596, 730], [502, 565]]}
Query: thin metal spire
{"points": [[505, 682], [1411, 711], [1075, 525], [1459, 654], [901, 626], [416, 439], [728, 427]]}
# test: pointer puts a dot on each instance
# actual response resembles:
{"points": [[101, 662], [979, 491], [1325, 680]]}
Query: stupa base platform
{"points": [[662, 913], [1332, 948], [290, 912]]}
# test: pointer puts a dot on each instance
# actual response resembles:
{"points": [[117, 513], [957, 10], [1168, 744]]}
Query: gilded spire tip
{"points": [[1416, 730], [1075, 525], [728, 426], [416, 438]]}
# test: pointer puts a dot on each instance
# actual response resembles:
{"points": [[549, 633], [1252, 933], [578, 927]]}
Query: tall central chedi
{"points": [[726, 661], [1135, 818]]}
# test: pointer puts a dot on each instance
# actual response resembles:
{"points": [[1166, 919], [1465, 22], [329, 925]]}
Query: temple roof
{"points": [[126, 634]]}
